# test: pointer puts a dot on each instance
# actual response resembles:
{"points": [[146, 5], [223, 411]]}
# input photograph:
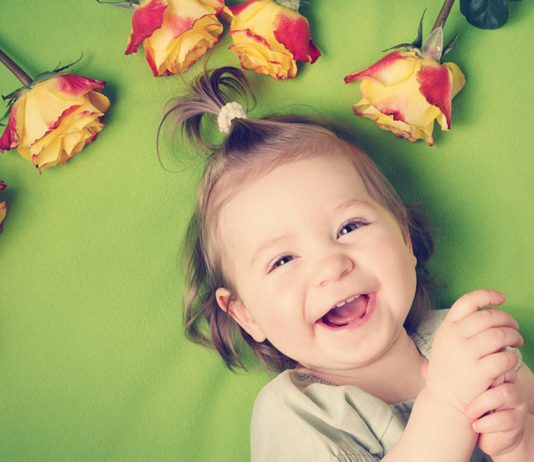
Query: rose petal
{"points": [[238, 9], [193, 44], [252, 36], [195, 9], [402, 99], [390, 69], [42, 108], [181, 21], [76, 130], [294, 33], [435, 86], [146, 19], [177, 25], [3, 213], [77, 85], [265, 61], [457, 78], [10, 138]]}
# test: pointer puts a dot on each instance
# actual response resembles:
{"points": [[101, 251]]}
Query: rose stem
{"points": [[15, 69], [443, 14]]}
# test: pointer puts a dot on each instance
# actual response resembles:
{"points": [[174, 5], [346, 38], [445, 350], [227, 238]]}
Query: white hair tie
{"points": [[229, 112]]}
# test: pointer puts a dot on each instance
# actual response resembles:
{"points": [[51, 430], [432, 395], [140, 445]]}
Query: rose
{"points": [[175, 33], [54, 119], [405, 93], [3, 206], [3, 212], [269, 38]]}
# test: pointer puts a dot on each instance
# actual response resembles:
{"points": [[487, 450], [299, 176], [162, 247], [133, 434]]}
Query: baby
{"points": [[302, 247]]}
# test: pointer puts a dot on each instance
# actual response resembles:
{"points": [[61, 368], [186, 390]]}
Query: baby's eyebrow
{"points": [[349, 203], [266, 245]]}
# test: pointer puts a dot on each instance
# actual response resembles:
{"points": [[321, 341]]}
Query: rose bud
{"points": [[54, 119], [175, 33], [405, 92], [270, 38]]}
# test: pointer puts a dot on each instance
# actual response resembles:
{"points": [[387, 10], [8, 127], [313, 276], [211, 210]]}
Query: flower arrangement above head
{"points": [[3, 206], [271, 36], [409, 88], [175, 33], [53, 117]]}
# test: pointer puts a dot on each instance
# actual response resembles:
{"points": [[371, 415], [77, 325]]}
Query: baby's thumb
{"points": [[473, 301]]}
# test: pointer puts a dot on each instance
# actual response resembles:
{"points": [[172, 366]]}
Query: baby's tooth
{"points": [[340, 304], [350, 299]]}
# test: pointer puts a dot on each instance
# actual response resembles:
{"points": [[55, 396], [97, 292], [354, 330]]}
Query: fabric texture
{"points": [[298, 417]]}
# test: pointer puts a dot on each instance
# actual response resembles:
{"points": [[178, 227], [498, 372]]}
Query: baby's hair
{"points": [[252, 148]]}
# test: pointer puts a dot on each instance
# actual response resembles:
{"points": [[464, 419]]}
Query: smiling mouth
{"points": [[346, 312]]}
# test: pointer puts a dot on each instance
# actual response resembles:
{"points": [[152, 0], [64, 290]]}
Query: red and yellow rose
{"points": [[270, 38], [406, 92], [175, 33], [3, 206], [55, 119]]}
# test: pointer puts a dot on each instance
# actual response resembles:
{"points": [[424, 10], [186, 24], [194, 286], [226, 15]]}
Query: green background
{"points": [[93, 362]]}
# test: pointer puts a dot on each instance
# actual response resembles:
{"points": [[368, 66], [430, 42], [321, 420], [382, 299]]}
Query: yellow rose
{"points": [[175, 33], [55, 118], [269, 38], [3, 206], [405, 92], [3, 212]]}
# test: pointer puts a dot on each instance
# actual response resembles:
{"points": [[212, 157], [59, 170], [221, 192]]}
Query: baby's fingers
{"points": [[494, 365], [499, 422], [494, 340], [486, 319], [504, 396], [473, 301]]}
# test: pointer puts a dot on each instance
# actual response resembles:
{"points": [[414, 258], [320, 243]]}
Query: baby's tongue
{"points": [[346, 313]]}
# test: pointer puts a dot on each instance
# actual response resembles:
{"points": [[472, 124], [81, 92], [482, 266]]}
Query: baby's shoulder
{"points": [[298, 414], [295, 389], [282, 395]]}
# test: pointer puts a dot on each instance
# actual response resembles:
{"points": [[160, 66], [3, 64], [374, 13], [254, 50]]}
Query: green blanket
{"points": [[94, 365]]}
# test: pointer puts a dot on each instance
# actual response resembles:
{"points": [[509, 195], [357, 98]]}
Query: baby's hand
{"points": [[467, 352], [500, 416]]}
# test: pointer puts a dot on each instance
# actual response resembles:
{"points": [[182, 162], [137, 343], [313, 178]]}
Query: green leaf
{"points": [[448, 48], [416, 44], [292, 4], [59, 69], [4, 116], [14, 95], [419, 39], [485, 14], [401, 46], [128, 5]]}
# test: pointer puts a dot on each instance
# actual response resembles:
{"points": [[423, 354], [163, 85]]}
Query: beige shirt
{"points": [[299, 418]]}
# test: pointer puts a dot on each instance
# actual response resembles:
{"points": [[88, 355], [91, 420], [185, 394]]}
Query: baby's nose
{"points": [[332, 268]]}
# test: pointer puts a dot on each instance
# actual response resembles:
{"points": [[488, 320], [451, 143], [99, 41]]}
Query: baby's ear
{"points": [[239, 313]]}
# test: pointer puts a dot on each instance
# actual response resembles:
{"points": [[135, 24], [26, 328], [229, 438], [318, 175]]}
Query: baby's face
{"points": [[307, 237]]}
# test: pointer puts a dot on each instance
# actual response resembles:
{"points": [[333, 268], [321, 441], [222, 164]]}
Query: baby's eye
{"points": [[279, 262], [350, 226]]}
